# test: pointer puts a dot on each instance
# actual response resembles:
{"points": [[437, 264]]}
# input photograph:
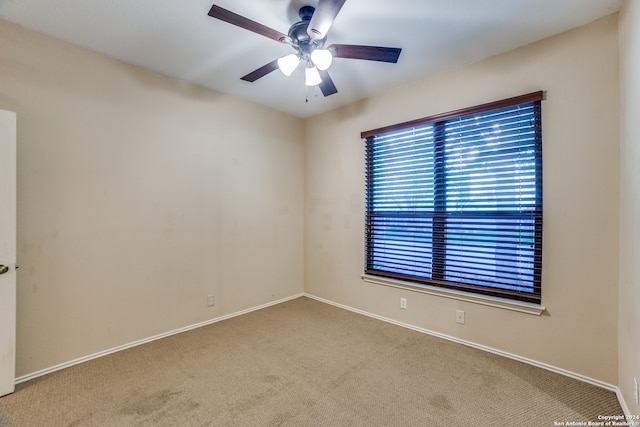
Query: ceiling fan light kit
{"points": [[288, 64], [307, 37], [312, 76], [322, 58]]}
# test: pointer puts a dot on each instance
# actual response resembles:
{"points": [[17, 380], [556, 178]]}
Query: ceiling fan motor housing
{"points": [[299, 36]]}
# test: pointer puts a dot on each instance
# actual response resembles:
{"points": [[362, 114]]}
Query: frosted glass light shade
{"points": [[321, 58], [312, 76], [288, 64]]}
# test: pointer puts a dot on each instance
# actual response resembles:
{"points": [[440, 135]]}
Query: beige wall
{"points": [[579, 72], [138, 195], [629, 350]]}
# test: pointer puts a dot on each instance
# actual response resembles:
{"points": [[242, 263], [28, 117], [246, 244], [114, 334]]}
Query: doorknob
{"points": [[4, 269]]}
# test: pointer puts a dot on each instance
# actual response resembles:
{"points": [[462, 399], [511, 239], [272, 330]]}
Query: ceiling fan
{"points": [[307, 37]]}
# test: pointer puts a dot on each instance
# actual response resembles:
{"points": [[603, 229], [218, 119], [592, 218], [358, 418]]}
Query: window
{"points": [[455, 200]]}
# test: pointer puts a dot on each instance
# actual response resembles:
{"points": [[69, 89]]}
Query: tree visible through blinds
{"points": [[457, 202]]}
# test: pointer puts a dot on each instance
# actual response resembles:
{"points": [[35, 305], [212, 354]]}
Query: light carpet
{"points": [[304, 363]]}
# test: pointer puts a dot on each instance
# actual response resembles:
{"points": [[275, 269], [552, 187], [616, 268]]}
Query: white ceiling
{"points": [[178, 38]]}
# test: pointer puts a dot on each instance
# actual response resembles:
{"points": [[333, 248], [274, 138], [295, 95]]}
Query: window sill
{"points": [[522, 307]]}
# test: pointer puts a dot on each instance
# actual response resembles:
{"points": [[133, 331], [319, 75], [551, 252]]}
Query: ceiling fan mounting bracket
{"points": [[306, 12]]}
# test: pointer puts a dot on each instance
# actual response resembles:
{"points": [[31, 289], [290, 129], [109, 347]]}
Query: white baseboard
{"points": [[536, 363], [147, 340], [631, 416]]}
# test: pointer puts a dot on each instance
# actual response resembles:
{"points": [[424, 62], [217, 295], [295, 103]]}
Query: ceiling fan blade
{"points": [[322, 19], [261, 72], [369, 53], [326, 85], [246, 23]]}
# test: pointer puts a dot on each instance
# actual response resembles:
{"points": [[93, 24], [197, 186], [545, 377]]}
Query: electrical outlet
{"points": [[403, 303], [460, 316], [211, 301], [635, 390]]}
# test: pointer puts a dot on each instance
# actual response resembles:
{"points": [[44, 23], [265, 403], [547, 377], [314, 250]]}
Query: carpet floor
{"points": [[304, 363]]}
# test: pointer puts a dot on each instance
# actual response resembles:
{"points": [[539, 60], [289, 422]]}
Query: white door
{"points": [[7, 251]]}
